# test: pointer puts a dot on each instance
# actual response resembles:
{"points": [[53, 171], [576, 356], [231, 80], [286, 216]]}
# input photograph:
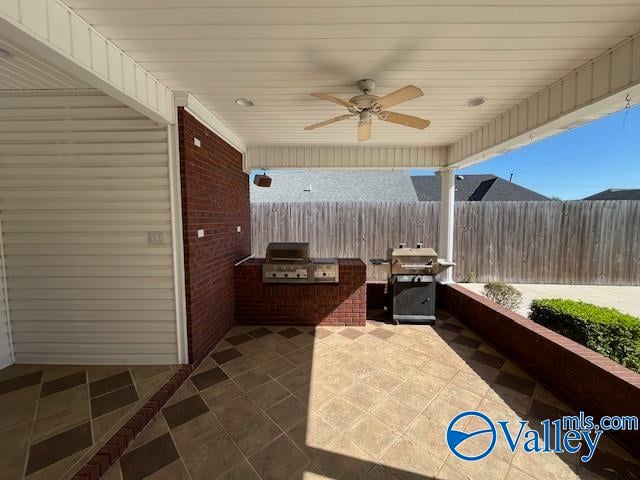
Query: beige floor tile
{"points": [[251, 379], [242, 471], [22, 405], [515, 473], [221, 393], [149, 386], [431, 435], [470, 382], [173, 471], [268, 394], [186, 390], [372, 436], [14, 443], [147, 371], [97, 372], [233, 412], [411, 394], [196, 433], [341, 413], [214, 459], [339, 381], [363, 395], [302, 356], [380, 473], [285, 348], [313, 435], [544, 466], [254, 433], [442, 412], [460, 397], [280, 460], [277, 366], [407, 459], [288, 413], [60, 421], [395, 414], [314, 395], [383, 380], [344, 460], [237, 366], [294, 380], [61, 400]]}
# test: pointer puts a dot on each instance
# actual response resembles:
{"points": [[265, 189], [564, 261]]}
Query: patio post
{"points": [[447, 200]]}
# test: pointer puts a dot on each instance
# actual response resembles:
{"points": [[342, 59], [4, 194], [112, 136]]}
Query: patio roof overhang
{"points": [[543, 67]]}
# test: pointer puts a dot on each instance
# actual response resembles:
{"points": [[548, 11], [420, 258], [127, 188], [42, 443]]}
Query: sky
{"points": [[575, 164]]}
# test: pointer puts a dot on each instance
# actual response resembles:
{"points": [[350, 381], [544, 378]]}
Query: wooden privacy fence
{"points": [[578, 242]]}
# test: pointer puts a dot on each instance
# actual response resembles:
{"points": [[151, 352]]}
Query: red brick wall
{"points": [[215, 197], [314, 304], [584, 379]]}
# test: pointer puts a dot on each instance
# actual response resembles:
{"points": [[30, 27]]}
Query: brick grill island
{"points": [[259, 303]]}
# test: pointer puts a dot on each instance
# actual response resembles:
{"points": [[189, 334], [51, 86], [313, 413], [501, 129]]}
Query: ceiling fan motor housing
{"points": [[366, 85]]}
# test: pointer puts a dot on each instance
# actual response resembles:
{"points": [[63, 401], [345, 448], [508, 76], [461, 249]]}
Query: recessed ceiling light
{"points": [[475, 101], [4, 53], [244, 102]]}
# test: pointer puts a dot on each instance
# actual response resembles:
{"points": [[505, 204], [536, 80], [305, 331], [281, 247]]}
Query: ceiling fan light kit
{"points": [[366, 106]]}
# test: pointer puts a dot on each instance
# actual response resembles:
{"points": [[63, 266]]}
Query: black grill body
{"points": [[414, 298]]}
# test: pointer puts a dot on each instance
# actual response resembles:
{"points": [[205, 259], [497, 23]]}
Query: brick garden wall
{"points": [[584, 379], [215, 197], [315, 304]]}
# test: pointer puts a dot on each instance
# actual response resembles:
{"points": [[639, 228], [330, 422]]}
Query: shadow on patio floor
{"points": [[349, 402]]}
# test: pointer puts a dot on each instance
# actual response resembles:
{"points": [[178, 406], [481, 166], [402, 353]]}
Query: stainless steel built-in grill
{"points": [[289, 262], [411, 282]]}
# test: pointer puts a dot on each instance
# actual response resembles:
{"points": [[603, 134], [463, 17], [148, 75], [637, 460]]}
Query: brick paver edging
{"points": [[583, 378], [117, 445]]}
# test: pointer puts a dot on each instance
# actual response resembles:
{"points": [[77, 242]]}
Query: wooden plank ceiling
{"points": [[276, 52]]}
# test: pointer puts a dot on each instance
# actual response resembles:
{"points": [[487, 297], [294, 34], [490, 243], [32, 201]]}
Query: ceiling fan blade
{"points": [[399, 96], [327, 122], [364, 131], [403, 119], [331, 98]]}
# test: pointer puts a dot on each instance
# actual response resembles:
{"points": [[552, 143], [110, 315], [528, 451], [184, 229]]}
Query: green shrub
{"points": [[504, 294], [605, 330]]}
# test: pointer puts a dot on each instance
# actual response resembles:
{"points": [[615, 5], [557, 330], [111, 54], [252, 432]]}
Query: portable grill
{"points": [[289, 262], [411, 282]]}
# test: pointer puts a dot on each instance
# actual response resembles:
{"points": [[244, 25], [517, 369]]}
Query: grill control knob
{"points": [[286, 275], [324, 274], [273, 274]]}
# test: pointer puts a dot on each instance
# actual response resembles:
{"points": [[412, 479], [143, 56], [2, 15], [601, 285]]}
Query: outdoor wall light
{"points": [[262, 180], [244, 102]]}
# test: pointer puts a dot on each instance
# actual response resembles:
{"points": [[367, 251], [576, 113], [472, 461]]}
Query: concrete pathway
{"points": [[625, 299]]}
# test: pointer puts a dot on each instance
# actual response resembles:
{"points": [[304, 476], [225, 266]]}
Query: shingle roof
{"points": [[336, 186], [474, 188], [616, 194]]}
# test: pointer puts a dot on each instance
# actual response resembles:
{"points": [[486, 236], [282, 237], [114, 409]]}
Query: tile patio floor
{"points": [[346, 403], [54, 417]]}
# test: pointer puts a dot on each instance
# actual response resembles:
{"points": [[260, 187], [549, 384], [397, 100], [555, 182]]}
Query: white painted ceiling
{"points": [[276, 52], [21, 70]]}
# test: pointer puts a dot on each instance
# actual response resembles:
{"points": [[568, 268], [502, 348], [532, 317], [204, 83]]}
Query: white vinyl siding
{"points": [[85, 202]]}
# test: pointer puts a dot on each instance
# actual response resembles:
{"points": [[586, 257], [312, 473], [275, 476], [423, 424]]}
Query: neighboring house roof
{"points": [[474, 188], [616, 194], [336, 186]]}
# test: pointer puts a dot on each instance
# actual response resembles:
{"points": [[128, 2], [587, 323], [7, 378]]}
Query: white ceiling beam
{"points": [[340, 156], [48, 28], [192, 105], [598, 88]]}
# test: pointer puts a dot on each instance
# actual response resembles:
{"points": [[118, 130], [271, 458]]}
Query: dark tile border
{"points": [[118, 443]]}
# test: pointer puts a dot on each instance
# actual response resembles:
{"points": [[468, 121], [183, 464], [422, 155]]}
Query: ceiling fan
{"points": [[366, 106]]}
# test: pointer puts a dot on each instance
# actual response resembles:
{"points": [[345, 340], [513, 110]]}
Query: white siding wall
{"points": [[84, 197], [5, 336]]}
